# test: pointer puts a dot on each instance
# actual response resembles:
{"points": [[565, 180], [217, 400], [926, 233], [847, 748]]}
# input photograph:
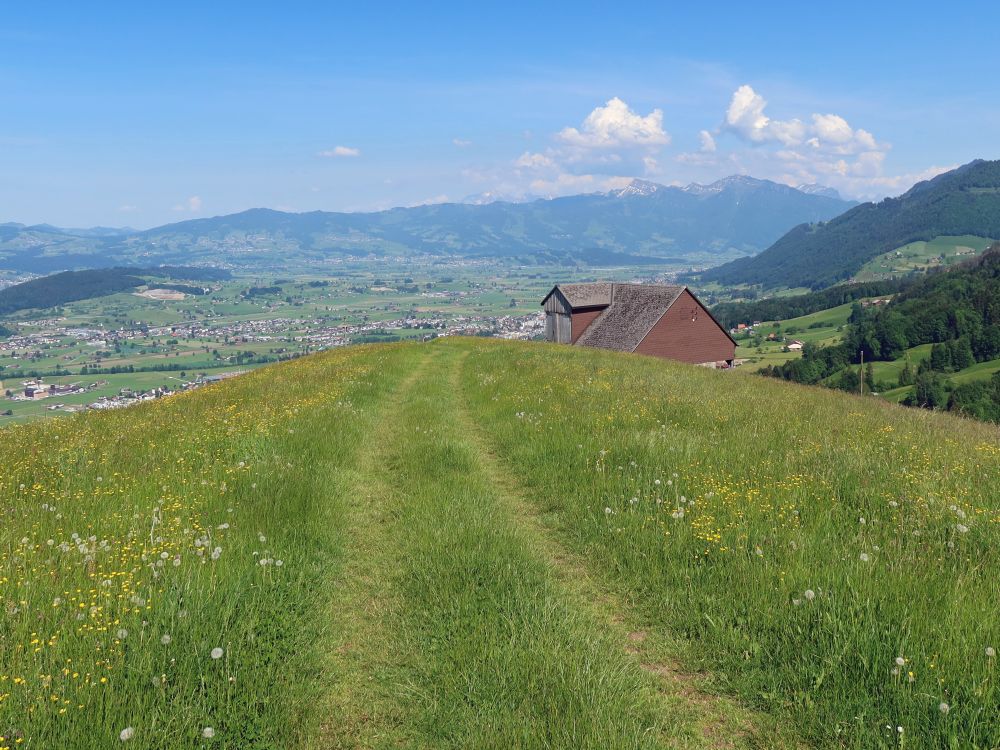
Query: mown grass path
{"points": [[463, 623]]}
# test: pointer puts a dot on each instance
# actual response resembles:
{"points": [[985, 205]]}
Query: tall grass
{"points": [[321, 554], [830, 559], [161, 567]]}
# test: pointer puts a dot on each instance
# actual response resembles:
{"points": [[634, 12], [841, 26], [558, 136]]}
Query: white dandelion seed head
{"points": [[607, 511], [961, 528], [122, 634], [944, 707], [208, 733], [991, 652], [165, 639], [217, 653], [126, 734], [900, 661], [864, 557], [809, 594]]}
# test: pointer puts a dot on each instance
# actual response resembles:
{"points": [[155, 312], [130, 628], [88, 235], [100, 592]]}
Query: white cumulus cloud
{"points": [[615, 125], [823, 147]]}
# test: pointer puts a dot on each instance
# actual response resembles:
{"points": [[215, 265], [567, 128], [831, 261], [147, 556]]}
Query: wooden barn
{"points": [[654, 319]]}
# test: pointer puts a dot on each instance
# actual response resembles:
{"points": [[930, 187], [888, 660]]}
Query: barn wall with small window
{"points": [[686, 332]]}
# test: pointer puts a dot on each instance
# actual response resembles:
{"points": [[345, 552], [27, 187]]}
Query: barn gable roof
{"points": [[633, 311], [584, 295]]}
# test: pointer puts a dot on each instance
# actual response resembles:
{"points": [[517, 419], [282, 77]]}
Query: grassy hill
{"points": [[965, 201], [934, 254], [489, 544]]}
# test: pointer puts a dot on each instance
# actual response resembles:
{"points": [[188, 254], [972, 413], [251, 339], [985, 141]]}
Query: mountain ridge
{"points": [[963, 201], [733, 217]]}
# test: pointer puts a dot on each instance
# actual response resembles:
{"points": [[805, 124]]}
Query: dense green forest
{"points": [[957, 311], [963, 201], [69, 286], [784, 308], [73, 286]]}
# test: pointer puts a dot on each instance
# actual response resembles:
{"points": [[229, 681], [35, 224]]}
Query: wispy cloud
{"points": [[191, 205], [339, 152], [461, 142]]}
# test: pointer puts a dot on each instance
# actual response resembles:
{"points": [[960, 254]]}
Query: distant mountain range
{"points": [[964, 201], [642, 222]]}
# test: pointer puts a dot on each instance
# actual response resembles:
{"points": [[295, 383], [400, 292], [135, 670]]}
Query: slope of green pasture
{"points": [[829, 558], [489, 544], [820, 328], [918, 256]]}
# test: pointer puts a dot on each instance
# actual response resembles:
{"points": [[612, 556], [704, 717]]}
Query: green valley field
{"points": [[474, 543]]}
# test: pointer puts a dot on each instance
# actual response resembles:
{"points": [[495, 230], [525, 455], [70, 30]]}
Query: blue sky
{"points": [[126, 116]]}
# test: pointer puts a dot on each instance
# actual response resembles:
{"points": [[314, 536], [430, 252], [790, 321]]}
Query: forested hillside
{"points": [[72, 286], [965, 201], [782, 308], [957, 311]]}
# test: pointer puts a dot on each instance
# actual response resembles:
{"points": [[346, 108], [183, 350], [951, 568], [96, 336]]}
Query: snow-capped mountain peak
{"points": [[636, 188], [816, 189]]}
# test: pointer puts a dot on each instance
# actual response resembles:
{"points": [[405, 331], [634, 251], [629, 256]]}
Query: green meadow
{"points": [[486, 544], [921, 256]]}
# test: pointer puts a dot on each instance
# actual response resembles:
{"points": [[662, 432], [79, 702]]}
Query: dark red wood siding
{"points": [[583, 319], [687, 333]]}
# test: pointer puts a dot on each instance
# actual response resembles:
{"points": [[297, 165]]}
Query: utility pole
{"points": [[861, 372]]}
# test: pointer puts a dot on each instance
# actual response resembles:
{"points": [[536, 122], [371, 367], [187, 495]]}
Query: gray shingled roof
{"points": [[633, 311], [586, 295]]}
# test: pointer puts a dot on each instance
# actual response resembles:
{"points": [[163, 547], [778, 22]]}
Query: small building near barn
{"points": [[655, 319]]}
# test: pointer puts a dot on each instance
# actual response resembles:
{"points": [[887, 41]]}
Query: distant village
{"points": [[36, 390], [311, 334]]}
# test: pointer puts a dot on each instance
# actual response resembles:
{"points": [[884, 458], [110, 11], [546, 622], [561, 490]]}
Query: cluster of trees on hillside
{"points": [[963, 201], [69, 286], [73, 286], [956, 311], [783, 308]]}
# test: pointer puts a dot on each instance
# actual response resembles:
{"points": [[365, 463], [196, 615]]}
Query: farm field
{"points": [[478, 543], [821, 328], [920, 256]]}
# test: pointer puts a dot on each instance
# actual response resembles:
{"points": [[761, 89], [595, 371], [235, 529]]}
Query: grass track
{"points": [[465, 628]]}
